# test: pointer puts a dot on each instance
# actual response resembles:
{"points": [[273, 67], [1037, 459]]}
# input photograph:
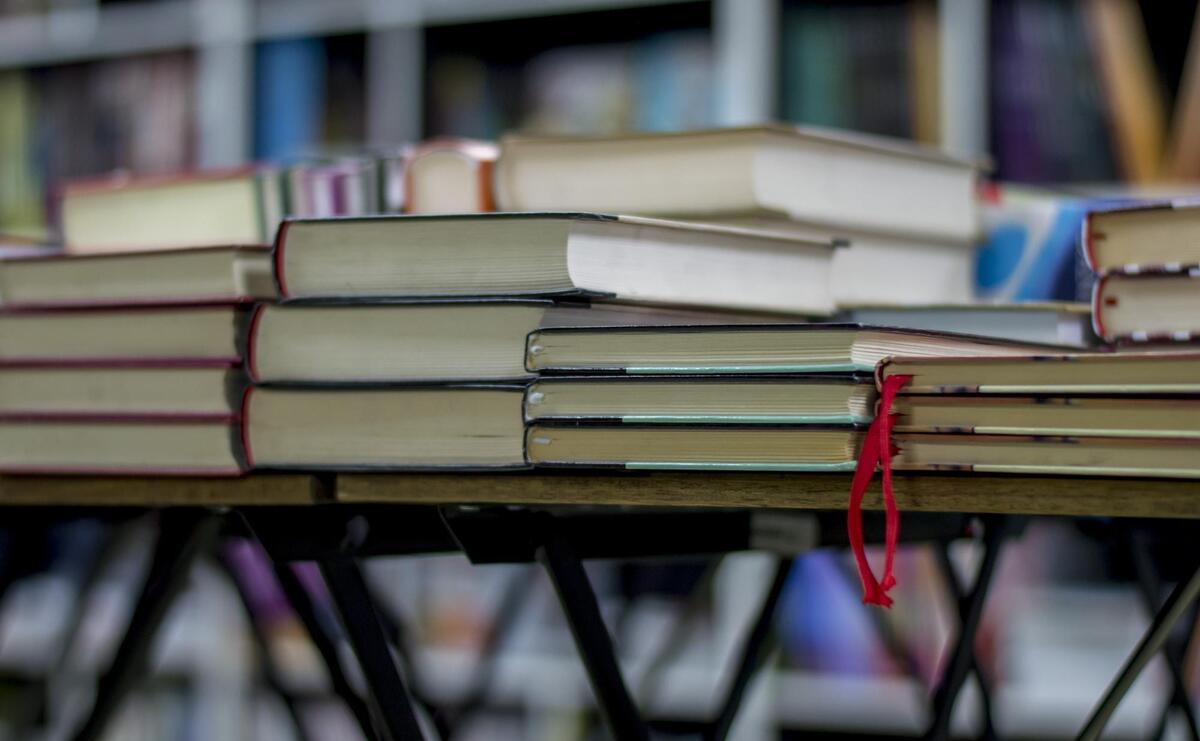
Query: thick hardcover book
{"points": [[1120, 373], [1154, 234], [64, 392], [813, 400], [1047, 416], [679, 447], [1067, 456], [840, 180], [150, 446], [424, 343], [163, 336], [1148, 305], [622, 258], [200, 209], [641, 447], [475, 427], [780, 348], [1065, 323], [449, 175], [197, 276]]}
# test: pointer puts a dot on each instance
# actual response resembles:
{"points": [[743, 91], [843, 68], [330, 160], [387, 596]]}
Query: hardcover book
{"points": [[178, 391], [694, 400], [413, 428], [122, 213], [203, 276], [780, 348], [1148, 306], [840, 180], [1120, 373], [553, 254], [414, 343], [184, 446], [210, 335]]}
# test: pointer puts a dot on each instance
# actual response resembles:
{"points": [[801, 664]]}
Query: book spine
{"points": [[1087, 239], [1098, 308], [277, 270], [243, 430], [251, 351]]}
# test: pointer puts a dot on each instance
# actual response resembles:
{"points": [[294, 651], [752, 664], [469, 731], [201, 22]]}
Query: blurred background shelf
{"points": [[1053, 92]]}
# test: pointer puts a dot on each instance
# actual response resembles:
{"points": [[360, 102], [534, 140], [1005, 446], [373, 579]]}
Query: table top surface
{"points": [[1023, 495]]}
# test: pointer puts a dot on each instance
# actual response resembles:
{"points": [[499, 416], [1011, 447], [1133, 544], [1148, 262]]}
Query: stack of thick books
{"points": [[908, 213], [401, 341], [1102, 414], [410, 342], [1147, 259], [114, 360]]}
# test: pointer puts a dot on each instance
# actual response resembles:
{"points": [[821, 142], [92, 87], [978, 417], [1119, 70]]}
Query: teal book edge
{"points": [[652, 370], [843, 466], [746, 419]]}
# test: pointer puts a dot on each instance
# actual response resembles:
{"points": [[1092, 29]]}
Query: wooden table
{"points": [[1017, 495], [557, 519]]}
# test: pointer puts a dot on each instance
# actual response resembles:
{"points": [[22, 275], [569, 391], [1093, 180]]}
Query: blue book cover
{"points": [[289, 98], [1031, 248]]}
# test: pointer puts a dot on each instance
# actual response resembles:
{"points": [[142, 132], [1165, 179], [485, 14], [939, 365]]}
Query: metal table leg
{"points": [[753, 656], [388, 696], [270, 671], [962, 604], [301, 602], [1184, 594], [591, 638], [962, 657], [1150, 589], [182, 535]]}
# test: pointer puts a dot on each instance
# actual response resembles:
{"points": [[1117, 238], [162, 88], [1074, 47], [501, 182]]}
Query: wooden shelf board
{"points": [[918, 493], [262, 489]]}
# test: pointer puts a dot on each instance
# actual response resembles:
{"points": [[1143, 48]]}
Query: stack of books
{"points": [[401, 341], [411, 342], [791, 397], [115, 361], [1147, 259], [1101, 414], [907, 213]]}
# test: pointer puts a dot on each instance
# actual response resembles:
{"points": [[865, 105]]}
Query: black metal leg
{"points": [[396, 634], [960, 600], [1184, 594], [182, 535], [1173, 651], [515, 597], [302, 605], [591, 638], [963, 654], [753, 656], [386, 692], [270, 672]]}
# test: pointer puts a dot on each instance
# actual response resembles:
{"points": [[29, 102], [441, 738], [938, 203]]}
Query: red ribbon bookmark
{"points": [[877, 449]]}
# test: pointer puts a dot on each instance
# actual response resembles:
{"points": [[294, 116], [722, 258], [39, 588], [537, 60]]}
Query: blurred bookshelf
{"points": [[1071, 92]]}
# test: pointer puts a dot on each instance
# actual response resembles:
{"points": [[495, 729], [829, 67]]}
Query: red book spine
{"points": [[244, 427], [277, 260], [251, 344]]}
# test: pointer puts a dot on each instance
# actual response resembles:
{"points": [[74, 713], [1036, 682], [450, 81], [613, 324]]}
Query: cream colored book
{"points": [[618, 258], [691, 400], [412, 428], [835, 179]]}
